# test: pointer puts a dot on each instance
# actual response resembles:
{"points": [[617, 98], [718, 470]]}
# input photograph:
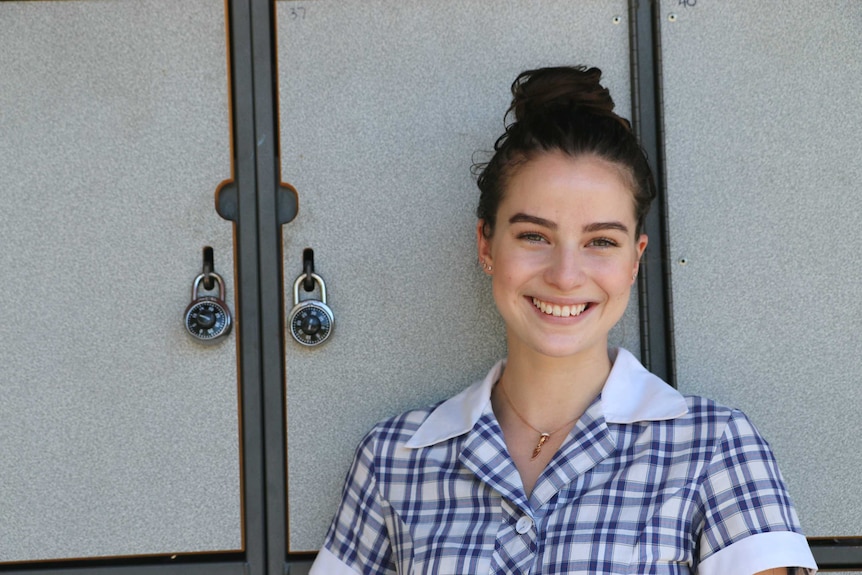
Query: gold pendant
{"points": [[542, 439]]}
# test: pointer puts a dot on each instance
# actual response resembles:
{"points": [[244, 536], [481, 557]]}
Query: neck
{"points": [[548, 391]]}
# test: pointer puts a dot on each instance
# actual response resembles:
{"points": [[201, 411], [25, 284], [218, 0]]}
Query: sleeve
{"points": [[749, 523], [358, 540]]}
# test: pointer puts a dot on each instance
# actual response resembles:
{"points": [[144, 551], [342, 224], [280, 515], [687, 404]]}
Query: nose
{"points": [[566, 268]]}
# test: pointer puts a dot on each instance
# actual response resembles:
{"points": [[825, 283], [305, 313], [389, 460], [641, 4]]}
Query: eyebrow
{"points": [[599, 226], [521, 217], [526, 218]]}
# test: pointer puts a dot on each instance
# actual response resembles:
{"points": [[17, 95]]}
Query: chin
{"points": [[562, 350]]}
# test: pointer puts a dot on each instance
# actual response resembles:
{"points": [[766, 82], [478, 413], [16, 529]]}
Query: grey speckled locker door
{"points": [[384, 105], [763, 170], [118, 435]]}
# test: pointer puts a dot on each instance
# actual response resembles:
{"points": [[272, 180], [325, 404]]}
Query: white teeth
{"points": [[558, 310]]}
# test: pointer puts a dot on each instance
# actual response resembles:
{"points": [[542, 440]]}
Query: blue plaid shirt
{"points": [[648, 481]]}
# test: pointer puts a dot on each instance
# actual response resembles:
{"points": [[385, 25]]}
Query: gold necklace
{"points": [[543, 435]]}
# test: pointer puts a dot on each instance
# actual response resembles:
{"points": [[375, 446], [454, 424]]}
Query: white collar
{"points": [[630, 394]]}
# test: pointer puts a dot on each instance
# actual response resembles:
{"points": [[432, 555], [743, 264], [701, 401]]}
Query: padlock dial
{"points": [[310, 324], [207, 319]]}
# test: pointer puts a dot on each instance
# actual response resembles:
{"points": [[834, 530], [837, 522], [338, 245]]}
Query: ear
{"points": [[483, 246], [640, 246]]}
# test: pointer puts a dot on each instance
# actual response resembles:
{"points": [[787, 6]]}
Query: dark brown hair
{"points": [[565, 109]]}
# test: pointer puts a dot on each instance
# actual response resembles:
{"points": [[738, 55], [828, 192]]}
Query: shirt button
{"points": [[523, 525]]}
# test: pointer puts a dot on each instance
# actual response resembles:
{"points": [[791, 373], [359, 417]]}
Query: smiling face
{"points": [[563, 254]]}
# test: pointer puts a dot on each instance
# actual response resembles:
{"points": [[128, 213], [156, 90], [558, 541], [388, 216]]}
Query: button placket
{"points": [[516, 547]]}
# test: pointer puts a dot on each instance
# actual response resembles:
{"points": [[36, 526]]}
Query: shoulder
{"points": [[434, 425], [731, 454], [703, 411], [720, 422], [707, 432], [393, 433]]}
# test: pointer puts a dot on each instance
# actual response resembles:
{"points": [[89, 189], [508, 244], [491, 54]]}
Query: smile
{"points": [[559, 310]]}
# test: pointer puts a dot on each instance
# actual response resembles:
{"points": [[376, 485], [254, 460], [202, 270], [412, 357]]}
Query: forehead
{"points": [[558, 187]]}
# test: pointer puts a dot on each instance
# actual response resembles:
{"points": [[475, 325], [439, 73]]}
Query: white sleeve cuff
{"points": [[760, 552], [328, 564]]}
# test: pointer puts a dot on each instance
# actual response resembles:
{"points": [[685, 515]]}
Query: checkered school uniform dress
{"points": [[647, 482]]}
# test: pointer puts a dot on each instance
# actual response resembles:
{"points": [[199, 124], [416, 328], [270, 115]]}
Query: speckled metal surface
{"points": [[383, 105], [118, 435], [763, 171]]}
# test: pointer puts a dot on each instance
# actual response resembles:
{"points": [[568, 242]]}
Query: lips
{"points": [[558, 310]]}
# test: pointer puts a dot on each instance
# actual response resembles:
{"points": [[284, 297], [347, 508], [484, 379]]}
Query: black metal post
{"points": [[654, 282]]}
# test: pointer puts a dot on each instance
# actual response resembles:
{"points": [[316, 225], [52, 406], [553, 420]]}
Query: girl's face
{"points": [[564, 254]]}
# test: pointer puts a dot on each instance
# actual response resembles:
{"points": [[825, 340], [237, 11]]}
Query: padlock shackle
{"points": [[318, 280], [211, 275]]}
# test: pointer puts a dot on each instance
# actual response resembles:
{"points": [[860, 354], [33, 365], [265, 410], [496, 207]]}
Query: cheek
{"points": [[616, 277], [514, 265], [510, 278], [502, 285]]}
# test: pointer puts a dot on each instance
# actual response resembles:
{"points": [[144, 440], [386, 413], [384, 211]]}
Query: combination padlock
{"points": [[310, 320], [207, 318]]}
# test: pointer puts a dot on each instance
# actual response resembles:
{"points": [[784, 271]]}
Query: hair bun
{"points": [[565, 110], [567, 89]]}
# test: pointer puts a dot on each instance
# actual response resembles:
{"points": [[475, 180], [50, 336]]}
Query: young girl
{"points": [[568, 457]]}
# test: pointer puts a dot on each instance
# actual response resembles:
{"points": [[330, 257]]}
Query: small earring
{"points": [[486, 267]]}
